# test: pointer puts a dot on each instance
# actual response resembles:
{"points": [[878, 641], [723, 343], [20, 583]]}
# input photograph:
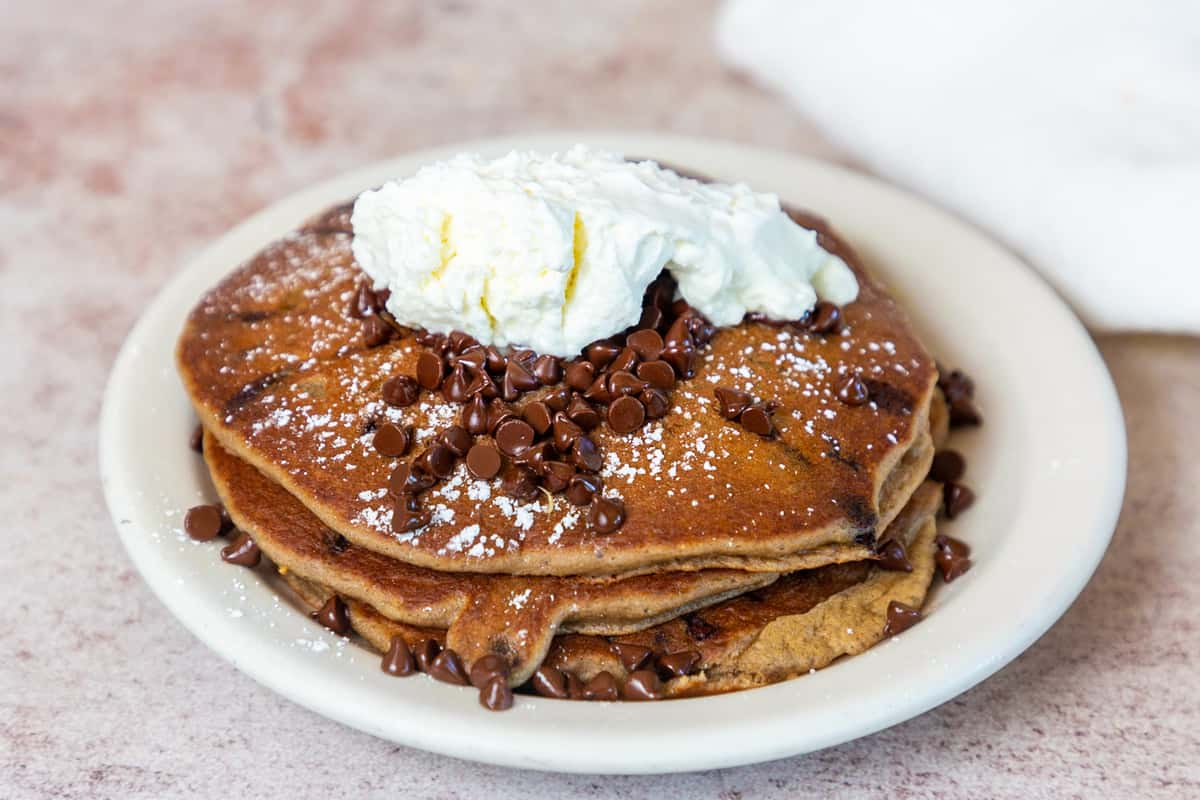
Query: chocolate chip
{"points": [[623, 383], [606, 514], [900, 618], [675, 665], [536, 456], [656, 402], [494, 360], [699, 628], [657, 373], [431, 368], [457, 439], [456, 387], [483, 461], [642, 685], [893, 557], [682, 359], [626, 361], [585, 455], [579, 375], [364, 303], [411, 478], [956, 384], [599, 391], [853, 391], [517, 380], [556, 476], [448, 668], [756, 420], [525, 356], [565, 432], [336, 543], [204, 523], [498, 412], [460, 341], [602, 687], [633, 656], [375, 331], [486, 668], [196, 440], [825, 318], [583, 414], [702, 330], [951, 556], [646, 343], [547, 370], [438, 460], [518, 484], [733, 401], [538, 415], [425, 652], [626, 415], [652, 317], [601, 354], [334, 615], [407, 516], [679, 335], [398, 660], [242, 551], [558, 399], [549, 682], [514, 436], [948, 465], [392, 440], [401, 391], [475, 416], [483, 386], [964, 413], [434, 341], [957, 498], [582, 488], [496, 695]]}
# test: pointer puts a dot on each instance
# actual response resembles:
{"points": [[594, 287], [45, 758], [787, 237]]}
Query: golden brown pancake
{"points": [[278, 371], [514, 616], [802, 622]]}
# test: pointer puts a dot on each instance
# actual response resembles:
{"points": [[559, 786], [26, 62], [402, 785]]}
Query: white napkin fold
{"points": [[1070, 129]]}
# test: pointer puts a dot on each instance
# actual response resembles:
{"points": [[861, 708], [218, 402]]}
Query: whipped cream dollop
{"points": [[555, 251]]}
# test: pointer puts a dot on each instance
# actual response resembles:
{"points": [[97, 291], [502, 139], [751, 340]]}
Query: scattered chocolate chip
{"points": [[517, 380], [558, 399], [585, 455], [401, 391], [514, 436], [606, 514], [963, 413], [242, 551], [574, 686], [656, 402], [893, 557], [601, 354], [642, 684], [196, 440], [438, 460], [699, 628], [549, 682], [375, 331], [626, 415], [475, 416], [626, 361], [538, 415], [646, 343], [582, 488], [482, 385], [392, 440], [536, 456], [674, 665], [494, 360], [457, 439], [556, 476], [525, 356], [599, 391], [498, 412], [679, 335], [900, 618], [486, 668], [398, 660], [460, 341], [602, 687], [434, 341], [547, 370], [483, 461], [956, 384], [456, 388], [565, 432], [364, 303], [756, 419], [633, 656], [583, 414], [473, 358], [957, 498], [657, 373], [853, 391], [623, 383], [948, 465], [652, 317], [407, 516], [204, 523], [496, 694], [579, 375], [825, 318], [411, 478], [683, 359], [425, 652], [702, 330], [334, 615], [733, 401], [951, 556], [448, 668], [518, 484], [431, 368]]}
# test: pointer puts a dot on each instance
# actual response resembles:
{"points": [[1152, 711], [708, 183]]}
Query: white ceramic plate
{"points": [[1049, 468]]}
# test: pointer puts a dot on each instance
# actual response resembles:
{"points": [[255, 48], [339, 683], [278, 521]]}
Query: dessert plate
{"points": [[1048, 465]]}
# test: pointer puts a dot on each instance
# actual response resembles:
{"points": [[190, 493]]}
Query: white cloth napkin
{"points": [[1068, 128]]}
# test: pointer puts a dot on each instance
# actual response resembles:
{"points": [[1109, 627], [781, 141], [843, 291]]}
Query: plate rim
{"points": [[538, 747]]}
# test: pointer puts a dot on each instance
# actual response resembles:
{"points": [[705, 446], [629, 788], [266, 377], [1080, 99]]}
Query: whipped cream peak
{"points": [[555, 251]]}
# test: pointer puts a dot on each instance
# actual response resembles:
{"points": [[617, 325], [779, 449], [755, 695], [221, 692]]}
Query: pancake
{"points": [[514, 616], [802, 622], [277, 368]]}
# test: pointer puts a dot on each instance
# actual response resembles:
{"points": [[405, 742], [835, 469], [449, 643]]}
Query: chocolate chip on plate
{"points": [[242, 551], [448, 668], [549, 682], [632, 656], [487, 667], [678, 664], [957, 497], [601, 687], [334, 615], [496, 694], [204, 523], [398, 660], [642, 684], [948, 465], [424, 652], [900, 618], [893, 557], [952, 557]]}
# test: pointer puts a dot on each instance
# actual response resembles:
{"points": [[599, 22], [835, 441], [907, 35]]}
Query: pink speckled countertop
{"points": [[131, 133]]}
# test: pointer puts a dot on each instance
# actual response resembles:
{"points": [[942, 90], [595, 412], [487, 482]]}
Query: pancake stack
{"points": [[680, 510]]}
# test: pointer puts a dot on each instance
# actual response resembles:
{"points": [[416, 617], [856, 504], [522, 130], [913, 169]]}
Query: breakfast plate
{"points": [[1049, 468]]}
